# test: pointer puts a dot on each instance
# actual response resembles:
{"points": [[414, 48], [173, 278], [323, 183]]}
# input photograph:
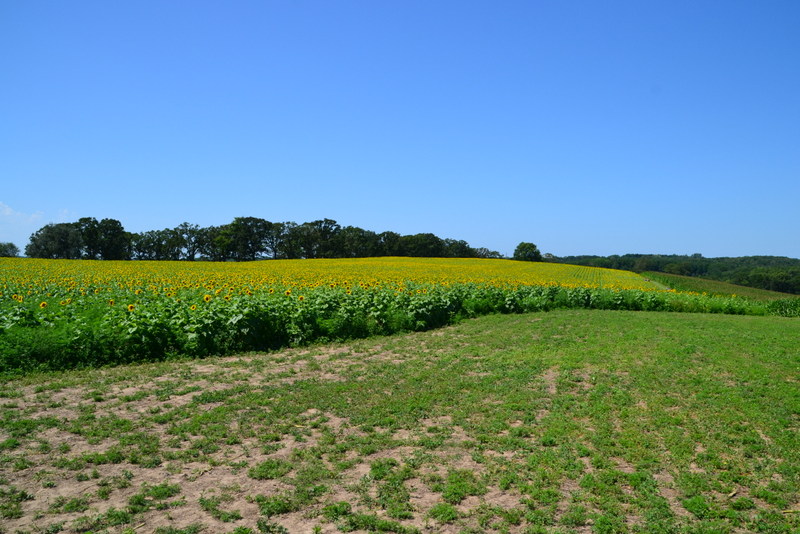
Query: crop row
{"points": [[75, 335]]}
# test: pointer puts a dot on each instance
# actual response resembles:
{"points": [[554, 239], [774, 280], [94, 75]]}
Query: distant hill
{"points": [[713, 287], [773, 273]]}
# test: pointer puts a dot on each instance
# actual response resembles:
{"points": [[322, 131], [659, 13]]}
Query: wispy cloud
{"points": [[7, 213], [16, 226]]}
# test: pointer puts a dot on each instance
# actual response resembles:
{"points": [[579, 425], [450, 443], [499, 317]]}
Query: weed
{"points": [[212, 506], [191, 529], [11, 500], [270, 469], [63, 505], [460, 484], [275, 504], [267, 527], [334, 511], [443, 512]]}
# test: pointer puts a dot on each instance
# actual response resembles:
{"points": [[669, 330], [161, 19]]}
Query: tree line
{"points": [[243, 239], [775, 273]]}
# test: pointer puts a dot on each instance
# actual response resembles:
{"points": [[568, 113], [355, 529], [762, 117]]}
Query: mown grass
{"points": [[715, 287], [566, 421]]}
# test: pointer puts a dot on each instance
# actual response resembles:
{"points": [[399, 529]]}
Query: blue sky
{"points": [[584, 127]]}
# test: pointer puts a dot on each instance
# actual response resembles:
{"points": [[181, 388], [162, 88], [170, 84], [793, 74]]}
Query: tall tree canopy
{"points": [[56, 241], [527, 252], [243, 239]]}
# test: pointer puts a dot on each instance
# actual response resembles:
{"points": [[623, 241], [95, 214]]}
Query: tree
{"points": [[114, 242], [56, 241], [484, 252], [388, 244], [290, 248], [189, 234], [90, 236], [421, 246], [315, 239], [214, 243], [248, 237], [454, 248], [9, 250], [143, 246], [527, 252], [355, 242], [274, 238], [323, 233]]}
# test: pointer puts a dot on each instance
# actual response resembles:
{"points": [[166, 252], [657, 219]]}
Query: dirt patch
{"points": [[422, 497], [666, 488], [550, 379], [624, 466]]}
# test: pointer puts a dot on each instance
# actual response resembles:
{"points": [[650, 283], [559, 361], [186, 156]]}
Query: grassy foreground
{"points": [[566, 421]]}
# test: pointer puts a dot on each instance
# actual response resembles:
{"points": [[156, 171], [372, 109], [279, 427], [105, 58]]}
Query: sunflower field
{"points": [[59, 314]]}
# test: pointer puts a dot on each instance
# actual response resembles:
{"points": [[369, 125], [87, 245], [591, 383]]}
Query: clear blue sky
{"points": [[585, 127]]}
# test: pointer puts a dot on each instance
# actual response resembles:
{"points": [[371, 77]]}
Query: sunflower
{"points": [[131, 307], [110, 302], [207, 298], [193, 307], [301, 298], [42, 304]]}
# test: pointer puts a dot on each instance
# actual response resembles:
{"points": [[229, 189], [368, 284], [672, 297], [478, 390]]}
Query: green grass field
{"points": [[715, 287], [565, 421]]}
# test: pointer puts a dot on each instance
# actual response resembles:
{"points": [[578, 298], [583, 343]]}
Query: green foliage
{"points": [[527, 252], [212, 506], [444, 512], [334, 511], [63, 505], [11, 500], [713, 287], [243, 239], [114, 517], [381, 468], [276, 504], [152, 497], [267, 527], [9, 250], [458, 485], [191, 529], [88, 335], [373, 523], [784, 307], [56, 241], [773, 273], [270, 469]]}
